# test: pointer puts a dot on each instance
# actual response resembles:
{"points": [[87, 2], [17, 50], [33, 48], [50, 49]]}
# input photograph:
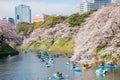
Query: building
{"points": [[88, 5], [22, 14], [11, 20], [100, 3], [39, 18]]}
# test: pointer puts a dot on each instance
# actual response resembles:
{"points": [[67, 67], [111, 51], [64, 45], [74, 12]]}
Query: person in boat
{"points": [[102, 63], [51, 58], [42, 60], [46, 64], [57, 74], [86, 65], [60, 75], [111, 64], [25, 52], [74, 65]]}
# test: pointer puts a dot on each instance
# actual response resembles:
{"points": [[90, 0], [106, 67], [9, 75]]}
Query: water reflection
{"points": [[29, 67]]}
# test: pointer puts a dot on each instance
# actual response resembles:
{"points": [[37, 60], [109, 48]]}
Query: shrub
{"points": [[77, 19], [118, 44], [25, 27], [99, 48]]}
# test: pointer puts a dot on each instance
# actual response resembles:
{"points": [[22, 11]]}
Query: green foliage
{"points": [[118, 57], [74, 19], [48, 22], [107, 56], [5, 48], [77, 19], [37, 24], [99, 48], [57, 19], [21, 25], [25, 27], [118, 44]]}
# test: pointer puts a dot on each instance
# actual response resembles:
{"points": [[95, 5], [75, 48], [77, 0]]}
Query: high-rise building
{"points": [[100, 3], [88, 5], [22, 14], [11, 20]]}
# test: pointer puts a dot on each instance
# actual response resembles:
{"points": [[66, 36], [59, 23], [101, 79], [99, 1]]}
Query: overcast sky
{"points": [[64, 7]]}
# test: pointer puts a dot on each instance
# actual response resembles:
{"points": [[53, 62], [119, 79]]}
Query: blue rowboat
{"points": [[57, 77], [77, 70], [109, 66], [69, 64]]}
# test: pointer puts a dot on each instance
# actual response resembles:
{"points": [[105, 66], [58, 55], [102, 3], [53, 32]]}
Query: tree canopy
{"points": [[77, 19]]}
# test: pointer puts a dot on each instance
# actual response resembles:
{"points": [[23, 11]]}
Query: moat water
{"points": [[30, 67]]}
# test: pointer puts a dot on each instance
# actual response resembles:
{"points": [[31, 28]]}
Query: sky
{"points": [[50, 7]]}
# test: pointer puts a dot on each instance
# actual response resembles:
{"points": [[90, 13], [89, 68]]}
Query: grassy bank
{"points": [[61, 45]]}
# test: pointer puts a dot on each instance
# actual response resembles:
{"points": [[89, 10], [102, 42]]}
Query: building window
{"points": [[18, 17]]}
